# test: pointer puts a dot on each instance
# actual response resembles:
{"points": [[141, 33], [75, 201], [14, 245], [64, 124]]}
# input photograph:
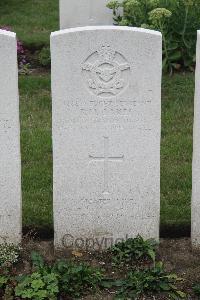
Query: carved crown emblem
{"points": [[104, 72], [106, 53]]}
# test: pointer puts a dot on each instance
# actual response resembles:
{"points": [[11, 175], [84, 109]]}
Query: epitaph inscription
{"points": [[104, 71]]}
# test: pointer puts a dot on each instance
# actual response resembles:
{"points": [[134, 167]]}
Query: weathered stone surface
{"points": [[75, 13], [106, 88], [10, 164], [196, 155]]}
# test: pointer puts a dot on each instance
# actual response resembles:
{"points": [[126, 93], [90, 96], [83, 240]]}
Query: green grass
{"points": [[176, 150], [36, 147], [32, 20]]}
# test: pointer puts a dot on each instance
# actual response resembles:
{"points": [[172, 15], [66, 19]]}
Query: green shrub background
{"points": [[178, 20]]}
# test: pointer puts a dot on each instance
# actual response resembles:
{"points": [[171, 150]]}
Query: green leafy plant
{"points": [[4, 279], [44, 57], [6, 286], [9, 254], [25, 69], [196, 289], [134, 250], [131, 12], [76, 280], [178, 20], [64, 277], [38, 286], [149, 281], [41, 284], [9, 293], [37, 261]]}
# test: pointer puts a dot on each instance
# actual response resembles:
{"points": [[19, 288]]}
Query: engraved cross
{"points": [[106, 159]]}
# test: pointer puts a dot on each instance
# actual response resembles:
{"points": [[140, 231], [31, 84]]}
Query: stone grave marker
{"points": [[106, 89], [77, 13], [10, 162], [196, 155]]}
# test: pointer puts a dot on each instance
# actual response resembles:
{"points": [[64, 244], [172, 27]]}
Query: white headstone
{"points": [[196, 155], [106, 87], [75, 13], [10, 163]]}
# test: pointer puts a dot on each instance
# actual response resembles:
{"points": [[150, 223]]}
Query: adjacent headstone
{"points": [[75, 13], [106, 88], [10, 164], [196, 155]]}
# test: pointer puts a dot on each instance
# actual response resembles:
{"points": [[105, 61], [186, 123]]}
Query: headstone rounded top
{"points": [[8, 33], [110, 27]]}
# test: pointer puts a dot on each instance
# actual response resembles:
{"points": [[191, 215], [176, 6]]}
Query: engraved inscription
{"points": [[106, 72], [5, 124], [106, 159]]}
